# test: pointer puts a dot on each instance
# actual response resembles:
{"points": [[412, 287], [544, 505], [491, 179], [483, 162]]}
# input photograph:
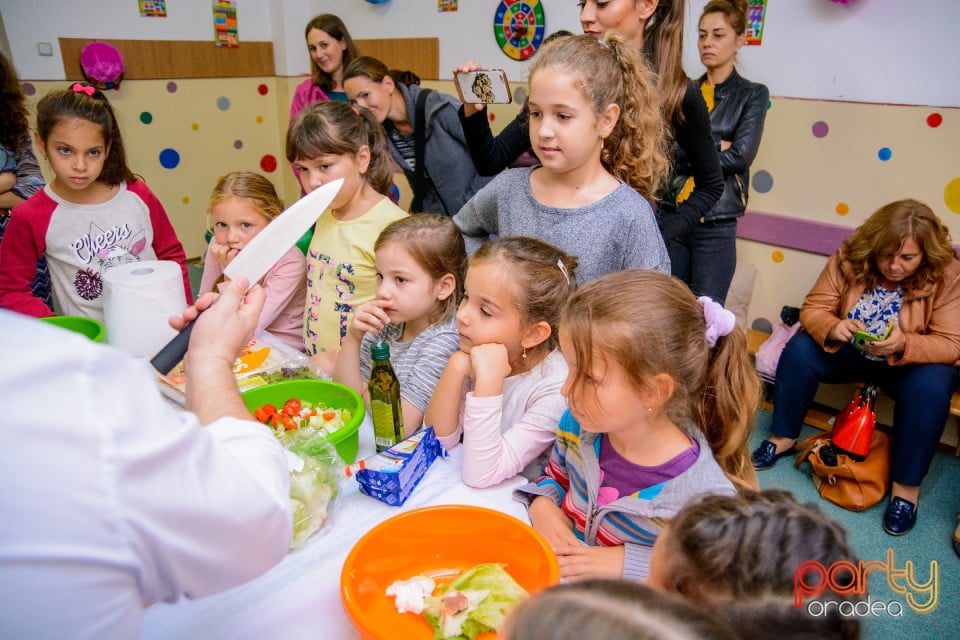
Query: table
{"points": [[300, 597]]}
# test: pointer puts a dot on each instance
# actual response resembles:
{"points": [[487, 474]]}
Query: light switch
{"points": [[44, 49]]}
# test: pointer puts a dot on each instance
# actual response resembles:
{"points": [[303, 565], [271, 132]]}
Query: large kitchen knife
{"points": [[257, 257]]}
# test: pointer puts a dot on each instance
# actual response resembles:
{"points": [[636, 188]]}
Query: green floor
{"points": [[929, 542]]}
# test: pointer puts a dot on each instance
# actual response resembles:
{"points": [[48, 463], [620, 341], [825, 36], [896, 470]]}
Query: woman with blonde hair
{"points": [[897, 276]]}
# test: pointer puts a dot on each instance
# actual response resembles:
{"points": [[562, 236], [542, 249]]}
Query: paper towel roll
{"points": [[138, 300]]}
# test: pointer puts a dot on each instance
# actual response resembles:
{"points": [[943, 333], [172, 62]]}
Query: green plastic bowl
{"points": [[346, 439], [79, 324]]}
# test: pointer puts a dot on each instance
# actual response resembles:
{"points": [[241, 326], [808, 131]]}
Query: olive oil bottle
{"points": [[384, 399]]}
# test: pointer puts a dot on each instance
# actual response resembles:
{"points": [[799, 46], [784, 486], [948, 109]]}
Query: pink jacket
{"points": [[929, 318]]}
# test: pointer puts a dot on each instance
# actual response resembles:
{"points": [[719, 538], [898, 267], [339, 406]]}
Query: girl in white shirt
{"points": [[501, 391]]}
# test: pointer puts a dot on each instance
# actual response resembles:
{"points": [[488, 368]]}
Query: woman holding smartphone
{"points": [[898, 272]]}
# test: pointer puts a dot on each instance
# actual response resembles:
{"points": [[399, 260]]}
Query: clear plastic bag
{"points": [[314, 485]]}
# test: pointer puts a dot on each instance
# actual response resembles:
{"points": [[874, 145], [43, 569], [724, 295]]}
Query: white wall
{"points": [[886, 51]]}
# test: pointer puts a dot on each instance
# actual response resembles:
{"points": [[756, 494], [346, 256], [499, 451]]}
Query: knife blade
{"points": [[253, 262]]}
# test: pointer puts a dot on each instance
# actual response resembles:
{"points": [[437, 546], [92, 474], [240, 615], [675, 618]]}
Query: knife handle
{"points": [[172, 353]]}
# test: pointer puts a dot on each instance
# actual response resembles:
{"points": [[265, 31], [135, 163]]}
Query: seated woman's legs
{"points": [[803, 365], [921, 407]]}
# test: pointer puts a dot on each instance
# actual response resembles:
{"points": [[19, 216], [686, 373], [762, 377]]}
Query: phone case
{"points": [[484, 86]]}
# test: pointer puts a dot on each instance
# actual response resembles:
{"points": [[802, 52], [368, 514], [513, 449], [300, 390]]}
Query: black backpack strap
{"points": [[419, 131]]}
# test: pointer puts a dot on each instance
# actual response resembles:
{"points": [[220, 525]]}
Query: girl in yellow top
{"points": [[327, 141]]}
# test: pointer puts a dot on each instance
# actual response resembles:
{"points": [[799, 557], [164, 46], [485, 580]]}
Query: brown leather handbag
{"points": [[839, 478]]}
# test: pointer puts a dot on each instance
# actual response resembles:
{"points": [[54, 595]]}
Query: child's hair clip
{"points": [[79, 88]]}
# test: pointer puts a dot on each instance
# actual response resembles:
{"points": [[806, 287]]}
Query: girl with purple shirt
{"points": [[661, 396]]}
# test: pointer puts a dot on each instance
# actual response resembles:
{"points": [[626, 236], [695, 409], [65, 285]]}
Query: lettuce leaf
{"points": [[489, 613]]}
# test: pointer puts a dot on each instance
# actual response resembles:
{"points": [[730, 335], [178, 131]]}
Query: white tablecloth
{"points": [[300, 597]]}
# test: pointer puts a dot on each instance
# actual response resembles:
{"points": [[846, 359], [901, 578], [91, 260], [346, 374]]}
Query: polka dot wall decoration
{"points": [[820, 129], [29, 89], [223, 103], [842, 208], [884, 153], [259, 119], [171, 87], [146, 117], [169, 158], [268, 163], [777, 256], [951, 195], [934, 120], [195, 126], [185, 199], [263, 89], [762, 181], [238, 144]]}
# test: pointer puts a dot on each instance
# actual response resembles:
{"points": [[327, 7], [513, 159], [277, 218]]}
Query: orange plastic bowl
{"points": [[439, 542]]}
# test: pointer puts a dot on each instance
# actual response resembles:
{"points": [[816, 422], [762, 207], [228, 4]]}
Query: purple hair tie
{"points": [[720, 321]]}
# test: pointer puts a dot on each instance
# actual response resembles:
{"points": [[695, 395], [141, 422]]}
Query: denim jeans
{"points": [[921, 394], [707, 258]]}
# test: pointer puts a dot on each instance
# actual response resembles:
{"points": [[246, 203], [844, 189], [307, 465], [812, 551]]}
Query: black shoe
{"points": [[766, 455], [899, 517]]}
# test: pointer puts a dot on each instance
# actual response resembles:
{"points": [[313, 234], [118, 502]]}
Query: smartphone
{"points": [[860, 338], [483, 86]]}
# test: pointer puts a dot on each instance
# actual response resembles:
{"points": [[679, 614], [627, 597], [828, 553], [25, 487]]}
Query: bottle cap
{"points": [[380, 351]]}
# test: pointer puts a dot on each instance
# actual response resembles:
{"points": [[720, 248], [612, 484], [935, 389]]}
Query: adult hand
{"points": [[578, 562], [896, 342], [491, 365], [843, 331], [552, 523], [724, 145], [222, 253], [370, 317], [224, 328]]}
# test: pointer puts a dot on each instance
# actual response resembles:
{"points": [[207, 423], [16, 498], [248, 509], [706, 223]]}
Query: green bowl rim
{"points": [[341, 434]]}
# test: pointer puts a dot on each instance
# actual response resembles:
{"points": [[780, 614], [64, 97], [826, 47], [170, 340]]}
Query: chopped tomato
{"points": [[269, 408], [292, 407], [329, 415], [261, 415]]}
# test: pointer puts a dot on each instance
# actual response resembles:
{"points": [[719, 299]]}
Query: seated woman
{"points": [[897, 271]]}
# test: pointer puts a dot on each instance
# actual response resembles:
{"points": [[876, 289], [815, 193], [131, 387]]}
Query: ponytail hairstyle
{"points": [[436, 244], [83, 100], [735, 12], [333, 26], [251, 186], [663, 46], [337, 128], [610, 71], [375, 71], [541, 277], [738, 556], [14, 128], [650, 323]]}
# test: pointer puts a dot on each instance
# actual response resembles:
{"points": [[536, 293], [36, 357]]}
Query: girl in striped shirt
{"points": [[420, 264]]}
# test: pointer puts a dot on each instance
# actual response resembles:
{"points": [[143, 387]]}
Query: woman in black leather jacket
{"points": [[738, 107]]}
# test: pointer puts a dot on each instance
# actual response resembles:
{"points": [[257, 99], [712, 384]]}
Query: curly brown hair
{"points": [[610, 71], [14, 126], [883, 234]]}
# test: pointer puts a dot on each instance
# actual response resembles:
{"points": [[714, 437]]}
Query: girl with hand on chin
{"points": [[501, 391]]}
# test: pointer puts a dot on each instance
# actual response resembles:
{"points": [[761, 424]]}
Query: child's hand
{"points": [[552, 523], [370, 317], [222, 253], [578, 562], [491, 365]]}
